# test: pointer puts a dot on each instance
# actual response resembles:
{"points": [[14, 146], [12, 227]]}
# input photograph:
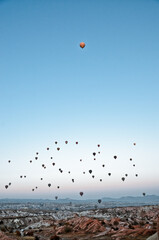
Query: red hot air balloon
{"points": [[76, 143], [66, 142], [81, 193], [82, 44], [98, 145]]}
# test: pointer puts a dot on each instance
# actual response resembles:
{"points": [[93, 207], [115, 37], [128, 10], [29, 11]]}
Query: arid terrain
{"points": [[23, 222]]}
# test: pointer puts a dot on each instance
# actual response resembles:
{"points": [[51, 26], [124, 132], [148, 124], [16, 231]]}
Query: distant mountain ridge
{"points": [[149, 199]]}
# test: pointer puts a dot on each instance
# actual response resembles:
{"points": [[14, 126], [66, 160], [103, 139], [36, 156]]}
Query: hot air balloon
{"points": [[36, 158], [55, 142], [130, 159], [58, 187], [123, 179], [30, 161], [43, 165], [134, 144], [81, 193], [36, 187], [93, 176], [49, 184], [76, 142], [126, 175], [21, 176], [99, 200], [41, 178], [83, 172], [133, 165], [37, 153], [82, 45], [136, 175], [98, 145], [94, 159], [56, 197], [144, 194], [103, 165], [6, 186], [66, 142], [80, 160], [98, 152], [58, 149], [94, 153], [33, 189], [53, 164], [109, 174], [90, 171], [9, 184], [69, 172], [51, 157], [73, 180], [24, 176], [100, 180], [9, 161], [115, 157]]}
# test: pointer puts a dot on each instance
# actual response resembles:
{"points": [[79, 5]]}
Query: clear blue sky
{"points": [[106, 93]]}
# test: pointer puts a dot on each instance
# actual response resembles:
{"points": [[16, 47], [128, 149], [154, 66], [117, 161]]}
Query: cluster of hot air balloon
{"points": [[90, 171]]}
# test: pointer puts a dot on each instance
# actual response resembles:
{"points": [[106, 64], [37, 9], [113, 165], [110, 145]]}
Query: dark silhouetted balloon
{"points": [[123, 179], [90, 171], [133, 165], [98, 145], [81, 193], [56, 142], [73, 180], [130, 159], [109, 174], [100, 180], [93, 176], [37, 153], [9, 184], [66, 142], [103, 165], [126, 175], [136, 175], [6, 186], [30, 161], [36, 158], [58, 187], [99, 200], [58, 149], [134, 144], [94, 153], [33, 189], [49, 184], [83, 172], [9, 161], [56, 197], [115, 157], [53, 164], [94, 159], [41, 178], [144, 194], [47, 148], [76, 142]]}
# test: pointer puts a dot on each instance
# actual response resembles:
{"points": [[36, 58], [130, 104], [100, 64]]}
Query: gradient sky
{"points": [[106, 93]]}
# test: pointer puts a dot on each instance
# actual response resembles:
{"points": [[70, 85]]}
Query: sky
{"points": [[53, 90]]}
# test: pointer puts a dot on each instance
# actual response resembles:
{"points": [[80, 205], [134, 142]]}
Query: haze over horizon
{"points": [[52, 90]]}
